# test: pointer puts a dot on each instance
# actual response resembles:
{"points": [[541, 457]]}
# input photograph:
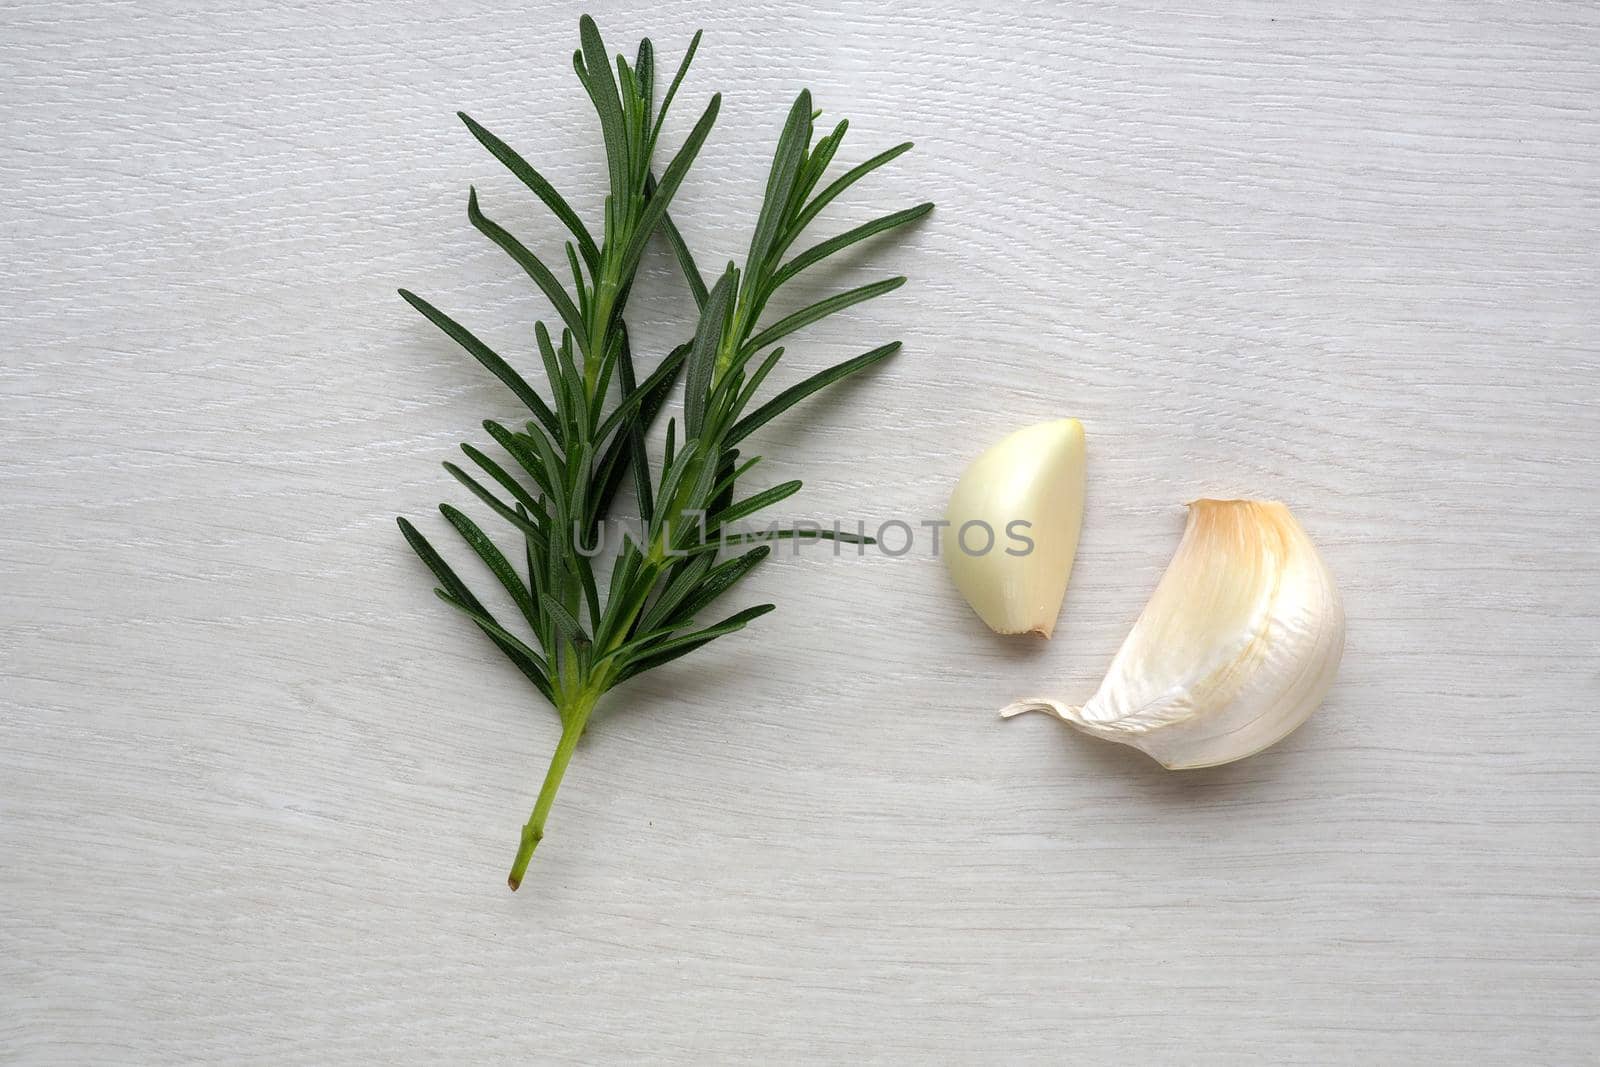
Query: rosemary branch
{"points": [[569, 459]]}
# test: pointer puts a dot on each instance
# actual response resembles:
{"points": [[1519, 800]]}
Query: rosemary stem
{"points": [[571, 729]]}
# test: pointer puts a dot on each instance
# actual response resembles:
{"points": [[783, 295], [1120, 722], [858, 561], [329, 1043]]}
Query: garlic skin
{"points": [[1237, 648], [1032, 476]]}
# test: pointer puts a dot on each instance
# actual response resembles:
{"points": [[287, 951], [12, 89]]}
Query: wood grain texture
{"points": [[258, 790]]}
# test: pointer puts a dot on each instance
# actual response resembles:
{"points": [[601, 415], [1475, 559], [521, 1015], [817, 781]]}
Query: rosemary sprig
{"points": [[566, 463]]}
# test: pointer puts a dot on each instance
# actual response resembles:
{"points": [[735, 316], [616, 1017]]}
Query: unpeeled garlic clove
{"points": [[1236, 649], [1022, 500]]}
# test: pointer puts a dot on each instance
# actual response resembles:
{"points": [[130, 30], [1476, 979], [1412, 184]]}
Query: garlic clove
{"points": [[1022, 501], [1237, 647]]}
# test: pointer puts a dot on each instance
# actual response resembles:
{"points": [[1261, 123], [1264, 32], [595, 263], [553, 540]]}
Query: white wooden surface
{"points": [[258, 789]]}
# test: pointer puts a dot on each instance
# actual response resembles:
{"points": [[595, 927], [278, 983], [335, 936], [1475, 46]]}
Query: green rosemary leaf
{"points": [[730, 382], [752, 504], [644, 68], [579, 477], [821, 310], [578, 285], [796, 393], [572, 383], [628, 90], [791, 533], [569, 627], [817, 253], [685, 581], [624, 611], [730, 475], [634, 399], [495, 560], [484, 355], [624, 606], [786, 162], [729, 471], [816, 166], [594, 70], [554, 471], [633, 646], [622, 573], [540, 187], [840, 184], [686, 264], [520, 448], [556, 570], [591, 592], [722, 578], [699, 498], [533, 552], [760, 376], [671, 650], [658, 386], [441, 570], [613, 464], [499, 474], [533, 557], [516, 649], [672, 477], [557, 379], [703, 355], [529, 262], [602, 383], [639, 460], [672, 89], [496, 505], [671, 179]]}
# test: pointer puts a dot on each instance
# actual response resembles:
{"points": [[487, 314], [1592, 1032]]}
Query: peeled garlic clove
{"points": [[1236, 649], [1014, 519]]}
